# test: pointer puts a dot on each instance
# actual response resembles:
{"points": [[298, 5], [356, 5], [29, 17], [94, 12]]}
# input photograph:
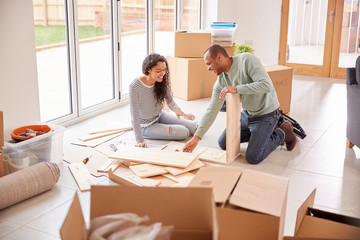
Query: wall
{"points": [[258, 23], [19, 95]]}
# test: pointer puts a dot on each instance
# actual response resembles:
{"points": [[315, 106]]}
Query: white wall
{"points": [[19, 94], [258, 23]]}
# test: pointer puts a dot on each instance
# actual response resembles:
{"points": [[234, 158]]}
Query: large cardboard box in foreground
{"points": [[190, 210], [191, 44], [281, 76], [252, 203], [314, 224], [190, 78]]}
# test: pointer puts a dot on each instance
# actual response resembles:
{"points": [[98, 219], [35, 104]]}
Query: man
{"points": [[244, 74]]}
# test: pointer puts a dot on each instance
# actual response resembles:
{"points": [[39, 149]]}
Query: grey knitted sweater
{"points": [[144, 108]]}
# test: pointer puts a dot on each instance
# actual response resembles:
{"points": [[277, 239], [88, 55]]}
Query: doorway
{"points": [[319, 38]]}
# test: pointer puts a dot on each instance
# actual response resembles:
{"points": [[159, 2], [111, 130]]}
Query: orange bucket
{"points": [[18, 134]]}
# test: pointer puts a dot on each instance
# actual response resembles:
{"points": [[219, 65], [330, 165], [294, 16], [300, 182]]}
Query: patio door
{"points": [[319, 38]]}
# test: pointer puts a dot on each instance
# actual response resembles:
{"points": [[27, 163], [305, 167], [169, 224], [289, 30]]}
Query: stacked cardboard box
{"points": [[189, 76]]}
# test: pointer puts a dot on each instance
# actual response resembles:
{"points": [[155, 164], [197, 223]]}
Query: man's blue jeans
{"points": [[261, 134]]}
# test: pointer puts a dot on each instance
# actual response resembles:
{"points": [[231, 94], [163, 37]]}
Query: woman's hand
{"points": [[226, 90], [180, 113], [143, 145]]}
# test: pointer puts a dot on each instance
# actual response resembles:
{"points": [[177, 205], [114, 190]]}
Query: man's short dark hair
{"points": [[214, 50]]}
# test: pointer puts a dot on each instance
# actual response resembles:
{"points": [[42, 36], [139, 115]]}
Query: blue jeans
{"points": [[169, 127], [261, 134]]}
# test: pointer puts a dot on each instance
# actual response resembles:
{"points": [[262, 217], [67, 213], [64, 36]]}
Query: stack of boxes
{"points": [[189, 76]]}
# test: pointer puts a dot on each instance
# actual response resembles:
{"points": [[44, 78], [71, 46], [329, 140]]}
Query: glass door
{"points": [[306, 36]]}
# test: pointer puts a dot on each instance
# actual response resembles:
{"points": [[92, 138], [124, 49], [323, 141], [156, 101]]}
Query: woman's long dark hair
{"points": [[160, 88]]}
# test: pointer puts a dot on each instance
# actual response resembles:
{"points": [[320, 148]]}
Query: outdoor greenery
{"points": [[45, 35], [241, 48]]}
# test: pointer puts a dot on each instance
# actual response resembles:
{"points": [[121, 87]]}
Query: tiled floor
{"points": [[319, 161]]}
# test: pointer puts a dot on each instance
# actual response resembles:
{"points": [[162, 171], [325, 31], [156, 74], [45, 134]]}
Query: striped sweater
{"points": [[144, 108]]}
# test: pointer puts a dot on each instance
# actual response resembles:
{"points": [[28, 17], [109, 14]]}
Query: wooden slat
{"points": [[81, 175], [148, 170], [196, 164], [96, 142], [156, 156], [124, 127], [233, 105], [98, 135], [283, 31]]}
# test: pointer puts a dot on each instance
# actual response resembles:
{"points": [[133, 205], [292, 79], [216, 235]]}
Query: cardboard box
{"points": [[313, 223], [281, 77], [191, 44], [190, 210], [254, 209], [190, 78], [230, 50]]}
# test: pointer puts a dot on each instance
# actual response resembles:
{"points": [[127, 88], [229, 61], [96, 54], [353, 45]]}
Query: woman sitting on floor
{"points": [[147, 96]]}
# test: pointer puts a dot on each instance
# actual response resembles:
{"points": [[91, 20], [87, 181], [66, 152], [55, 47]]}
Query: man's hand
{"points": [[226, 90], [143, 145], [191, 144]]}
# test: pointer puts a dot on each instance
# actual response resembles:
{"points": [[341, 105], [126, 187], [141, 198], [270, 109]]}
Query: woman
{"points": [[147, 95]]}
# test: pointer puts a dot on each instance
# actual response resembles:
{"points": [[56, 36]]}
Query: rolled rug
{"points": [[27, 183]]}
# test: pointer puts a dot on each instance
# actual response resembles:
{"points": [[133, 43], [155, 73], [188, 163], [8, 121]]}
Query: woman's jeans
{"points": [[169, 127], [259, 132]]}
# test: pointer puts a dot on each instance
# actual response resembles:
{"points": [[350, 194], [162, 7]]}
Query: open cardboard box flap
{"points": [[221, 179], [261, 192], [319, 224], [190, 210]]}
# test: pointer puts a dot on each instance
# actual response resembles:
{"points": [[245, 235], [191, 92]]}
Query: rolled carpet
{"points": [[27, 183]]}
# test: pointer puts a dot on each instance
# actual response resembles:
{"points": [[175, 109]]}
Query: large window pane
{"points": [[133, 40], [52, 60], [95, 49], [190, 16], [164, 26]]}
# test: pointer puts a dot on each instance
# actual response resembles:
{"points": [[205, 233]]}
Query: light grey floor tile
{"points": [[29, 234], [7, 227]]}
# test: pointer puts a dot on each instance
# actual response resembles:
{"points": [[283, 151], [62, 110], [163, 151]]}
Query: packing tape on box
{"points": [[27, 183]]}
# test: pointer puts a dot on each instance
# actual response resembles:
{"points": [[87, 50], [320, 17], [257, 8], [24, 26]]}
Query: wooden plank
{"points": [[156, 156], [145, 182], [178, 146], [148, 170], [104, 168], [121, 180], [196, 164], [233, 105], [96, 142], [184, 179], [121, 127], [81, 175], [98, 135]]}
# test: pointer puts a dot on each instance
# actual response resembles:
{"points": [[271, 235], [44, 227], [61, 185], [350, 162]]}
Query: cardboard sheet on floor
{"points": [[95, 161], [156, 156], [96, 142]]}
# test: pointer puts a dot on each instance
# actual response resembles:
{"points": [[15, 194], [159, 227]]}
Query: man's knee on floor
{"points": [[253, 158]]}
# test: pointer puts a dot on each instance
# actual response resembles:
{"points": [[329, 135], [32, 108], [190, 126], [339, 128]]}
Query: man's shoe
{"points": [[290, 137]]}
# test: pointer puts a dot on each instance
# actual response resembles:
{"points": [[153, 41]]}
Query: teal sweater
{"points": [[257, 92]]}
